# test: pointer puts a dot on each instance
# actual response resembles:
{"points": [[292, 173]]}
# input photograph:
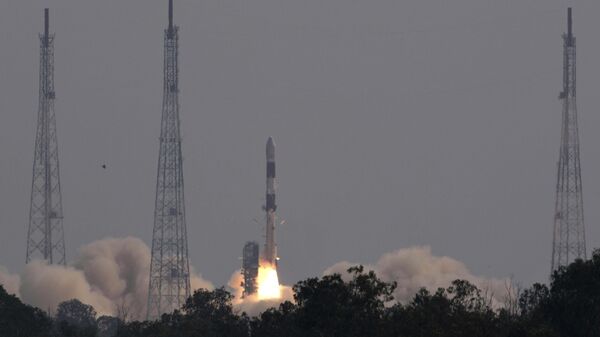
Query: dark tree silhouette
{"points": [[355, 305], [76, 319], [573, 305], [21, 320]]}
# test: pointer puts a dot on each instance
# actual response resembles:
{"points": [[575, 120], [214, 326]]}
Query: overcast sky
{"points": [[397, 123]]}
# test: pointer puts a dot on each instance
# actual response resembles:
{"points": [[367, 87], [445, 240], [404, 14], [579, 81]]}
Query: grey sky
{"points": [[397, 123]]}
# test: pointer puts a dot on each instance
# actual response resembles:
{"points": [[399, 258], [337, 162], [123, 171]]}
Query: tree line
{"points": [[360, 306]]}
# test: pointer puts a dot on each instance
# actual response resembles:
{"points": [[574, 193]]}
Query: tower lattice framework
{"points": [[169, 268], [569, 230], [45, 236]]}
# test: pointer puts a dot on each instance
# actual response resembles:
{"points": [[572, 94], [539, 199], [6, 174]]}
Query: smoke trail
{"points": [[110, 274], [416, 267]]}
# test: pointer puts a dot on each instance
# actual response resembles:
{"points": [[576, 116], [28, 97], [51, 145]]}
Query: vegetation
{"points": [[362, 306]]}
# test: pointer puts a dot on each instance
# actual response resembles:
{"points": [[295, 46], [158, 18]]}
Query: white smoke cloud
{"points": [[416, 267], [411, 268], [10, 281], [109, 274], [45, 286], [112, 276], [119, 269], [198, 282]]}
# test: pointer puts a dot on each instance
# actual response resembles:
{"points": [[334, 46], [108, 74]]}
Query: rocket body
{"points": [[270, 253]]}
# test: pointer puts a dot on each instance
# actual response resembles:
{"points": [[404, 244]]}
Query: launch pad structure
{"points": [[250, 267]]}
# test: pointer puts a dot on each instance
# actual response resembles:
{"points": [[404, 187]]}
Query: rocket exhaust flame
{"points": [[268, 282]]}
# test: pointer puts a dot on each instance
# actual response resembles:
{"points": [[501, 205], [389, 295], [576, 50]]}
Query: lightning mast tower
{"points": [[169, 267], [45, 236], [569, 232]]}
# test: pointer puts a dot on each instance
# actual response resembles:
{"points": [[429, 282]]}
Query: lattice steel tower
{"points": [[169, 267], [45, 236], [250, 267], [569, 231]]}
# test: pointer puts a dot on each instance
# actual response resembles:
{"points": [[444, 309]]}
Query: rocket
{"points": [[270, 253]]}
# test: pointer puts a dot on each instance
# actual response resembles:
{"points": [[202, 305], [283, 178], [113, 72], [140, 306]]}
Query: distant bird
{"points": [[104, 166]]}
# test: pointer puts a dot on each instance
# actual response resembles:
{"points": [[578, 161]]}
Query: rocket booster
{"points": [[270, 253], [270, 175]]}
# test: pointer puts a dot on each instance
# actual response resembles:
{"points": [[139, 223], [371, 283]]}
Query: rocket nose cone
{"points": [[270, 148]]}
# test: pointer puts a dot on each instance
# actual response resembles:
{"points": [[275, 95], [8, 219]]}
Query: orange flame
{"points": [[268, 282]]}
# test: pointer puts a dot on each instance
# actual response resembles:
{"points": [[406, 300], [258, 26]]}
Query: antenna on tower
{"points": [[170, 15], [46, 25], [46, 22], [570, 19]]}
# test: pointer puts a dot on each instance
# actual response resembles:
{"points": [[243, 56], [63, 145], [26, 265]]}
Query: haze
{"points": [[397, 123]]}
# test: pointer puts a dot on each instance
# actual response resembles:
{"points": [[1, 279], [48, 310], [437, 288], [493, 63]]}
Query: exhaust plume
{"points": [[9, 281], [110, 274], [252, 304], [416, 267]]}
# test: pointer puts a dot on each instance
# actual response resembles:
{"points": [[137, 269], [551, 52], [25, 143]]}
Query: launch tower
{"points": [[169, 267], [45, 236], [569, 232], [250, 267]]}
